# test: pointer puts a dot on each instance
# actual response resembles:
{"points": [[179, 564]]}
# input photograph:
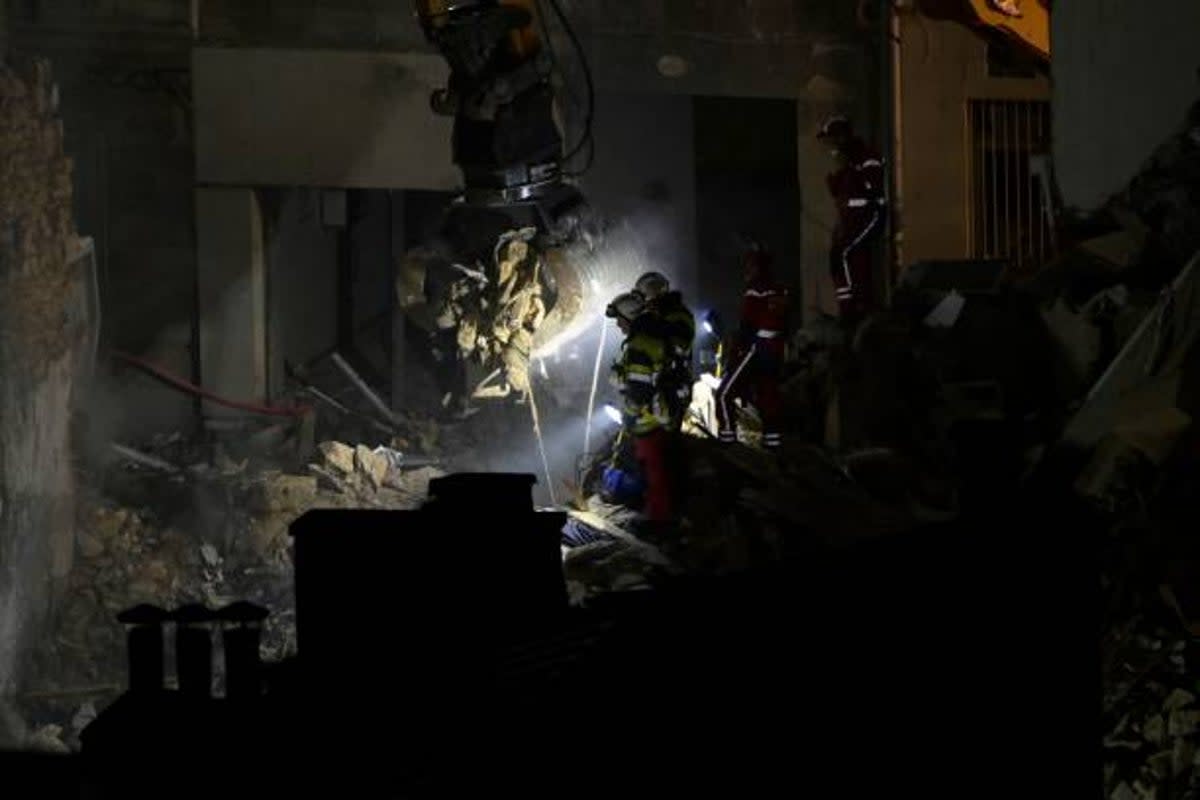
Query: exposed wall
{"points": [[125, 112], [644, 172], [41, 336], [301, 283], [1125, 74], [232, 286], [944, 65], [747, 184], [320, 118]]}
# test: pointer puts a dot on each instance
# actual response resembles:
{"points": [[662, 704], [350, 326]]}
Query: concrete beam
{"points": [[231, 285]]}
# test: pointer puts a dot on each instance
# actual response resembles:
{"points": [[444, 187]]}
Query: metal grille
{"points": [[1008, 220]]}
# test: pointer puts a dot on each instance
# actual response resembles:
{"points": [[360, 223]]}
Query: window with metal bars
{"points": [[1009, 144]]}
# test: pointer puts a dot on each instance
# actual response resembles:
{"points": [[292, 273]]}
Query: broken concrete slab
{"points": [[1145, 375], [47, 739], [337, 456], [268, 533], [374, 466], [1178, 699]]}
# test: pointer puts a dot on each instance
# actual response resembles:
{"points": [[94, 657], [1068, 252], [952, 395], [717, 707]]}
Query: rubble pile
{"points": [[1152, 717], [219, 534], [1164, 194], [742, 508]]}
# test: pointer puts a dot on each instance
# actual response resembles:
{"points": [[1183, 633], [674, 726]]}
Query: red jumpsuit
{"points": [[756, 370], [859, 192]]}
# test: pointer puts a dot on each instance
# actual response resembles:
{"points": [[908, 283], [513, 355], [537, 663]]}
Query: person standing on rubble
{"points": [[679, 326], [644, 355], [859, 192], [756, 369]]}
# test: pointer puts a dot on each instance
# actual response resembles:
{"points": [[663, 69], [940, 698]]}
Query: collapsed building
{"points": [[248, 278]]}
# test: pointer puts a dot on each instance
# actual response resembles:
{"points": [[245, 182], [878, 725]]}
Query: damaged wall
{"points": [[331, 119], [41, 337], [125, 106], [645, 173], [1124, 76], [944, 66]]}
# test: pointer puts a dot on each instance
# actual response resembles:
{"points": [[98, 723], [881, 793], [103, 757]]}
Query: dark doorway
{"points": [[746, 184]]}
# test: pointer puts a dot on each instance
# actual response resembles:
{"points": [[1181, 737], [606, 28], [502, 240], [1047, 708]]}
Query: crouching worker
{"points": [[635, 373]]}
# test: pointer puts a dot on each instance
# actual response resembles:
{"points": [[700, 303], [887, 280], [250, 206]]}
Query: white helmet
{"points": [[652, 285], [628, 306]]}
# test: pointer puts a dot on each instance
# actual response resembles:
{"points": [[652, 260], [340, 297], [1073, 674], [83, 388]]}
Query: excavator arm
{"points": [[506, 141], [511, 153]]}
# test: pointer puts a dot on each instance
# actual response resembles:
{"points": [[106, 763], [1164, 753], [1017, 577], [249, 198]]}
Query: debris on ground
{"points": [[169, 538]]}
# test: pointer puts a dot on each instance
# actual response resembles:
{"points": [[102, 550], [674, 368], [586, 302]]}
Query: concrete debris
{"points": [[1183, 723], [47, 739], [337, 456], [1161, 764], [1178, 699], [209, 554], [278, 492], [143, 459], [372, 465], [219, 535], [90, 546], [1154, 730], [1123, 792]]}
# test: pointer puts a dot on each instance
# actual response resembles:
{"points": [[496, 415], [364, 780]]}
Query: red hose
{"points": [[176, 382]]}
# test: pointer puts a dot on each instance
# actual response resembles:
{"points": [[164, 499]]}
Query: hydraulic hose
{"points": [[179, 384]]}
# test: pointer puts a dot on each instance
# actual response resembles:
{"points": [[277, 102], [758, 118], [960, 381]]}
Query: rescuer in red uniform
{"points": [[755, 372], [859, 192]]}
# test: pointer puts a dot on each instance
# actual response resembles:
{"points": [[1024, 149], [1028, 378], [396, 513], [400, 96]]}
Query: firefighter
{"points": [[644, 354], [679, 326], [756, 369], [858, 190]]}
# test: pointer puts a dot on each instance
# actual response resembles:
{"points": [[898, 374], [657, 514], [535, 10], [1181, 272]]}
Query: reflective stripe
{"points": [[846, 253], [765, 334], [870, 162], [856, 202], [638, 377], [723, 393], [767, 293]]}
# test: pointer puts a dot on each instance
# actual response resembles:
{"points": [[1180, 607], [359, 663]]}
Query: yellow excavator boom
{"points": [[1026, 22]]}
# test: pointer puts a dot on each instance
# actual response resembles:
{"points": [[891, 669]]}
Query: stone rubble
{"points": [[232, 544]]}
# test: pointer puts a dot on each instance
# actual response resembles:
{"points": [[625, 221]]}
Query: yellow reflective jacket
{"points": [[636, 372]]}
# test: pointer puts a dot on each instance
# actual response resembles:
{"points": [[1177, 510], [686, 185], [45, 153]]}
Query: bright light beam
{"points": [[591, 410]]}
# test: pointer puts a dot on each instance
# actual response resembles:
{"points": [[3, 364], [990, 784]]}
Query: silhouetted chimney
{"points": [[193, 649], [145, 639], [242, 634]]}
